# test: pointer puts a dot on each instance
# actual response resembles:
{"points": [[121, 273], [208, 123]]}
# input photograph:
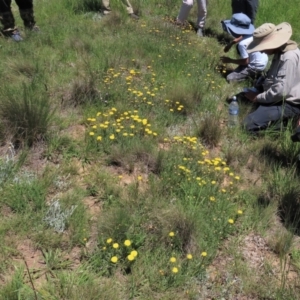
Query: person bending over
{"points": [[249, 65], [280, 99]]}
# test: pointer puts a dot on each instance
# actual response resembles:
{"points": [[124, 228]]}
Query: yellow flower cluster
{"points": [[118, 255], [216, 166], [112, 124], [147, 94]]}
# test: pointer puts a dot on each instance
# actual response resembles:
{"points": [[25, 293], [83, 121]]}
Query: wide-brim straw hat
{"points": [[240, 24], [268, 36]]}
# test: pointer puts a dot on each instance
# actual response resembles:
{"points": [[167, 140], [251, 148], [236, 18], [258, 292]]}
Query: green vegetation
{"points": [[119, 178]]}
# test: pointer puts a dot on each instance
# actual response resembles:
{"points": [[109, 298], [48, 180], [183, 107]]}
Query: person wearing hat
{"points": [[247, 7], [249, 65], [280, 99], [202, 12]]}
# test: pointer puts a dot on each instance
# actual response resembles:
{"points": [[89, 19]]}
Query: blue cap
{"points": [[239, 24]]}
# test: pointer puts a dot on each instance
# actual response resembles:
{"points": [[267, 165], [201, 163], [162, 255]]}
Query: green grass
{"points": [[124, 124]]}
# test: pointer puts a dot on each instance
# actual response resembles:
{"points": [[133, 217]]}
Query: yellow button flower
{"points": [[108, 241], [171, 234], [127, 243], [189, 256], [172, 259], [175, 270], [203, 254], [230, 221], [114, 259], [134, 253], [130, 257], [115, 245]]}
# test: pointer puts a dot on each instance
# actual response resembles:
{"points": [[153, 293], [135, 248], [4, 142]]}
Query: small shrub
{"points": [[56, 217]]}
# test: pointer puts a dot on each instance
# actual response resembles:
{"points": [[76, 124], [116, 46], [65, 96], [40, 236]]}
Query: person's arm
{"points": [[240, 61], [281, 85], [233, 42]]}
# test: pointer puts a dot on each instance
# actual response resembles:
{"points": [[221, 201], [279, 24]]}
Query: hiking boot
{"points": [[34, 28], [179, 23], [200, 32], [16, 36], [134, 16], [9, 30]]}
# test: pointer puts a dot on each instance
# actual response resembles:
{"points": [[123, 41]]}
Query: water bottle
{"points": [[233, 119]]}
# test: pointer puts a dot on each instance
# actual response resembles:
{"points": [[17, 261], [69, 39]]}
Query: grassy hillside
{"points": [[119, 176]]}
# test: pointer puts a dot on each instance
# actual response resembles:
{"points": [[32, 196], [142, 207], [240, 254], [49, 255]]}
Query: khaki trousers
{"points": [[107, 9], [187, 6]]}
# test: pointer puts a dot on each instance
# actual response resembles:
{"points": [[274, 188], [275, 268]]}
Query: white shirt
{"points": [[257, 60]]}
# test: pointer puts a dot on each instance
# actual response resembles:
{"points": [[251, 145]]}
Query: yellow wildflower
{"points": [[114, 259], [172, 259], [134, 253], [130, 257], [127, 243]]}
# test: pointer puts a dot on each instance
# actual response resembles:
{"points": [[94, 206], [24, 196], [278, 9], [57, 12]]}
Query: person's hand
{"points": [[227, 47], [251, 96], [225, 59]]}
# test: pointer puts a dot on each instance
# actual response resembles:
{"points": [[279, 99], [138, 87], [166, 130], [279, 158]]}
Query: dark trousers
{"points": [[247, 7], [242, 73], [5, 5], [267, 115], [7, 18]]}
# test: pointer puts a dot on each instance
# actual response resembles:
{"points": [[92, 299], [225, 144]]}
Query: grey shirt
{"points": [[283, 79]]}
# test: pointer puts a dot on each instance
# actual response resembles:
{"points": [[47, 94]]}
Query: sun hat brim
{"points": [[279, 36], [227, 26]]}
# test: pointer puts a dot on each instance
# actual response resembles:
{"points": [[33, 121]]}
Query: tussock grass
{"points": [[26, 117], [210, 130]]}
